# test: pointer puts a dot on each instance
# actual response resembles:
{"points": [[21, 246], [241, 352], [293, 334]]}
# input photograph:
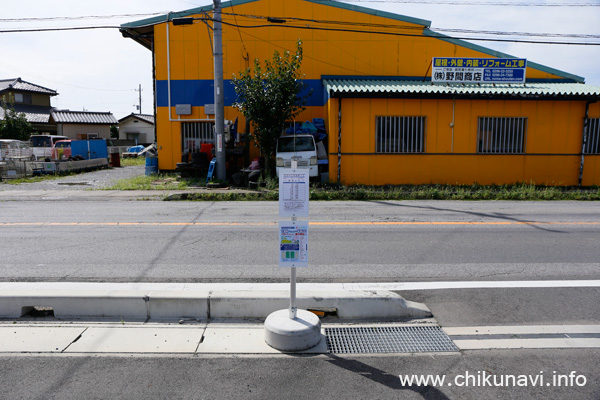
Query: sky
{"points": [[100, 70]]}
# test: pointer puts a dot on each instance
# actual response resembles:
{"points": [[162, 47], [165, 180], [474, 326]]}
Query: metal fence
{"points": [[400, 134], [15, 168], [501, 135]]}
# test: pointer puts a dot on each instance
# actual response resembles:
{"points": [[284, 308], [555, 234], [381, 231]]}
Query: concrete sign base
{"points": [[285, 334]]}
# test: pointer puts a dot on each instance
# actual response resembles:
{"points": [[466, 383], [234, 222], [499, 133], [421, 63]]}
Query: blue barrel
{"points": [[151, 165]]}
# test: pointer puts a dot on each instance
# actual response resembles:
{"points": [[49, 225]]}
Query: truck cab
{"points": [[61, 150], [42, 144], [301, 148]]}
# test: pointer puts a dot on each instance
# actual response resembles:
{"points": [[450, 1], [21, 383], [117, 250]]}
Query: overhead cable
{"points": [[473, 3]]}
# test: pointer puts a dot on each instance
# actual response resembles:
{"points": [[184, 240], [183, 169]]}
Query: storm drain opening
{"points": [[388, 339], [37, 312]]}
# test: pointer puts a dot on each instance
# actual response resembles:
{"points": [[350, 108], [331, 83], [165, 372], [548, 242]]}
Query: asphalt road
{"points": [[349, 241], [320, 377]]}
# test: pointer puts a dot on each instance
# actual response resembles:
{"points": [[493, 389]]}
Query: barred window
{"points": [[193, 134], [592, 143], [501, 135], [400, 134]]}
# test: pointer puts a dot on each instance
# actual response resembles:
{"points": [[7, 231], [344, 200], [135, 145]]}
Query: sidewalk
{"points": [[192, 338], [184, 319], [104, 195], [85, 195], [109, 338], [196, 319]]}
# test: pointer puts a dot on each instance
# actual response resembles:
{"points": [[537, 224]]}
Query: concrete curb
{"points": [[206, 305], [95, 194]]}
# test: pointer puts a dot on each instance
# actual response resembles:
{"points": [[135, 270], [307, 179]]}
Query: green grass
{"points": [[133, 161], [454, 192], [328, 192], [152, 182], [31, 179]]}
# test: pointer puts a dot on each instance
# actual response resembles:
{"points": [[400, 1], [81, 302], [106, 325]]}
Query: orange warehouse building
{"points": [[391, 116]]}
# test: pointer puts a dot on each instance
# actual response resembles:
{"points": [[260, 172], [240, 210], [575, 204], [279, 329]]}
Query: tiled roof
{"points": [[83, 117], [21, 85], [33, 114], [144, 117], [396, 88]]}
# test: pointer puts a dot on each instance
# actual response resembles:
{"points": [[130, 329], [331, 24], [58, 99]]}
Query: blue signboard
{"points": [[293, 244], [478, 70]]}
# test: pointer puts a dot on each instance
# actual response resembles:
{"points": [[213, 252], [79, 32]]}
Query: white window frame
{"points": [[400, 134]]}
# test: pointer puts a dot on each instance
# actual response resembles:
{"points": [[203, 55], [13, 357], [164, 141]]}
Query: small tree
{"points": [[269, 97], [14, 125], [114, 132]]}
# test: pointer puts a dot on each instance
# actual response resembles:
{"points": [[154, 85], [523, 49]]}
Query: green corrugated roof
{"points": [[395, 88]]}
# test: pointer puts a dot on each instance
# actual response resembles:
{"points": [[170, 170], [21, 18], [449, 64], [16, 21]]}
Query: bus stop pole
{"points": [[293, 307]]}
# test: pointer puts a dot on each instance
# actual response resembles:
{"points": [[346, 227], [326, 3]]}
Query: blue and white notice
{"points": [[293, 244], [293, 192], [478, 70]]}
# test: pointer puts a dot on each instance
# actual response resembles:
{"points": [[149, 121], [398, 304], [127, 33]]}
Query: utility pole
{"points": [[219, 95], [139, 106], [140, 92]]}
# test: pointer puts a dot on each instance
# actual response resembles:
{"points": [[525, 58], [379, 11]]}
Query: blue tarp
{"points": [[135, 149], [316, 128]]}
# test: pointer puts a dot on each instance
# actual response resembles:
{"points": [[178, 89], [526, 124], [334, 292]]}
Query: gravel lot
{"points": [[100, 179]]}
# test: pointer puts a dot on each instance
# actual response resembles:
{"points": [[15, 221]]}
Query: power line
{"points": [[73, 28], [246, 57], [432, 35], [305, 26], [474, 3], [37, 19], [304, 55], [420, 28], [500, 33], [35, 75]]}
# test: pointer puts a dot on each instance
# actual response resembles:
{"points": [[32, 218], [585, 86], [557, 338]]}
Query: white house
{"points": [[138, 127]]}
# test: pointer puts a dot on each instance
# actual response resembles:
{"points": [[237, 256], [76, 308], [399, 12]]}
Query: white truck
{"points": [[42, 145], [15, 149], [300, 148]]}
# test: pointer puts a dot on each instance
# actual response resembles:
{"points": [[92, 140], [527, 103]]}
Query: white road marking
{"points": [[393, 286], [526, 344], [525, 337], [521, 329]]}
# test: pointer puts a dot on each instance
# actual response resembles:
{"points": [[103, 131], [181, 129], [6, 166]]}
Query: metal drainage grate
{"points": [[388, 339]]}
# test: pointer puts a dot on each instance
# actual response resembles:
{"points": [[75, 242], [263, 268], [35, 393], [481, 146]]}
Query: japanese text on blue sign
{"points": [[293, 244], [478, 70]]}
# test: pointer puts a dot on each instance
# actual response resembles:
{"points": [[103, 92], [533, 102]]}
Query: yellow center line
{"points": [[274, 223]]}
